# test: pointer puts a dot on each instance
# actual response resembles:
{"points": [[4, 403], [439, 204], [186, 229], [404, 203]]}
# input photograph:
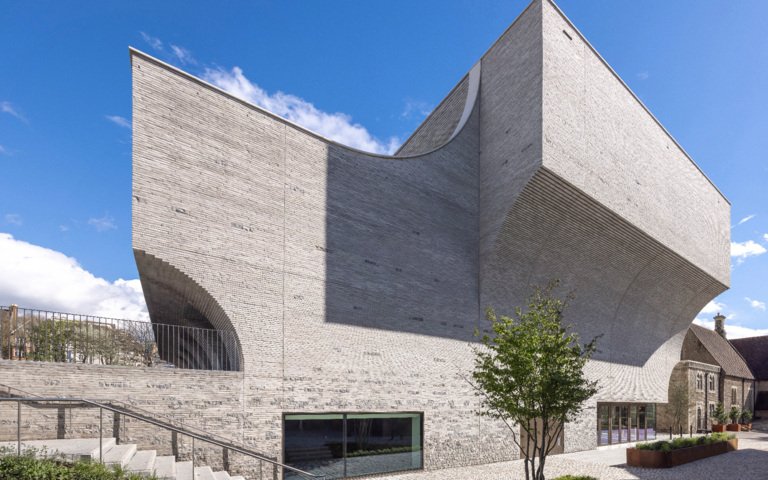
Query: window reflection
{"points": [[353, 444], [625, 422]]}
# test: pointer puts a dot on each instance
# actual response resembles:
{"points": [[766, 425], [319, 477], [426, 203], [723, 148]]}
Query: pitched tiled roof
{"points": [[723, 352], [755, 352]]}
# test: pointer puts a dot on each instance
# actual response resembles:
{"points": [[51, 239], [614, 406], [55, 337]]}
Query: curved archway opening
{"points": [[191, 328]]}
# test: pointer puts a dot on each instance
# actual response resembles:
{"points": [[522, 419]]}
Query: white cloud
{"points": [[712, 308], [13, 218], [184, 55], [742, 250], [118, 120], [3, 151], [756, 304], [64, 228], [336, 126], [153, 42], [643, 75], [765, 237], [36, 277], [746, 219], [6, 107], [416, 108], [102, 224], [733, 331]]}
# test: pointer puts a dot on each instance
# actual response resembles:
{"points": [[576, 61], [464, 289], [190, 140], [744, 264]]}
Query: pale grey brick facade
{"points": [[355, 281]]}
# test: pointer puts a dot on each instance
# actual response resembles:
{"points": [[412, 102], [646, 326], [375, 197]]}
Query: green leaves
{"points": [[529, 371]]}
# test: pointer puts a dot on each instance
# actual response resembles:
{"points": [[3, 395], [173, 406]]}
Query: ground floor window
{"points": [[625, 422], [340, 445]]}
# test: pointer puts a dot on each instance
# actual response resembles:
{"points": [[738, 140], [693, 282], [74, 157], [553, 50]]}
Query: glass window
{"points": [[604, 425], [313, 443], [734, 400], [650, 422], [625, 422], [353, 444], [699, 381], [699, 419], [386, 442], [711, 382]]}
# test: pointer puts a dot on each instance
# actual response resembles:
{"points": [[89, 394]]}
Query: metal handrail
{"points": [[101, 406], [131, 408]]}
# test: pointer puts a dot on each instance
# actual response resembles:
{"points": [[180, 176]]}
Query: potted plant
{"points": [[734, 415], [720, 417], [746, 420]]}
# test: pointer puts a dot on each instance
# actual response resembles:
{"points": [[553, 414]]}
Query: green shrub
{"points": [[684, 442], [28, 467]]}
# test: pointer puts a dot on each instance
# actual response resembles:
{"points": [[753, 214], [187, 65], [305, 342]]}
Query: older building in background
{"points": [[754, 350], [711, 371]]}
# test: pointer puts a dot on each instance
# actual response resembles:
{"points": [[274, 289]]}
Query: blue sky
{"points": [[366, 72]]}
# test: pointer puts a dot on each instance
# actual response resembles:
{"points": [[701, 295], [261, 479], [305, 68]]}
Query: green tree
{"points": [[678, 405], [530, 374]]}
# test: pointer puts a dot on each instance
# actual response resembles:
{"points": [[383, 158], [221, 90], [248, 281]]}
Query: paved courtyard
{"points": [[750, 462]]}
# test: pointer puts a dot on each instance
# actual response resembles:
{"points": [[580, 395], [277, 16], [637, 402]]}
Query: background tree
{"points": [[530, 374], [679, 405]]}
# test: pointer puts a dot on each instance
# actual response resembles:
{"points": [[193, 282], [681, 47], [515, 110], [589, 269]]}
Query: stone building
{"points": [[711, 371], [354, 281], [755, 353]]}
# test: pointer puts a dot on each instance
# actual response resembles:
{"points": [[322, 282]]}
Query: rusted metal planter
{"points": [[720, 427], [658, 459], [733, 427]]}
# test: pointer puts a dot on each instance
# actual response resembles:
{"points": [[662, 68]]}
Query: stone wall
{"points": [[744, 393], [684, 377], [212, 401]]}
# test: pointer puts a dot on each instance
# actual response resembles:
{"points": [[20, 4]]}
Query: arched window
{"points": [[699, 418]]}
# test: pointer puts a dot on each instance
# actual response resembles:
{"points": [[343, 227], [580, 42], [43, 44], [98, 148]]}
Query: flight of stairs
{"points": [[126, 455]]}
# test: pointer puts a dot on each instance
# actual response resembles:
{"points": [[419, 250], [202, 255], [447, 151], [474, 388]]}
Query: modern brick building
{"points": [[354, 281]]}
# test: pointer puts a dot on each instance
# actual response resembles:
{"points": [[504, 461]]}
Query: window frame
{"points": [[344, 415]]}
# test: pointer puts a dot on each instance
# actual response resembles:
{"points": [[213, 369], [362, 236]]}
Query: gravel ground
{"points": [[750, 462]]}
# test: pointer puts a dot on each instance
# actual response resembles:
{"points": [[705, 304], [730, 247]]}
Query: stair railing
{"points": [[179, 430], [17, 392]]}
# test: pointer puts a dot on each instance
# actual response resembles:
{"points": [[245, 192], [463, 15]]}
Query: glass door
{"points": [[604, 425]]}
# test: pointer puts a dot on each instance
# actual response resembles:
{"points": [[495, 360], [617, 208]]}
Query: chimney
{"points": [[720, 324]]}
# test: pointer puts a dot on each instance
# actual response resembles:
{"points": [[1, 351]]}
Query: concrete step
{"points": [[142, 462], [120, 454], [70, 448], [237, 477], [184, 471], [204, 473], [222, 475], [165, 467]]}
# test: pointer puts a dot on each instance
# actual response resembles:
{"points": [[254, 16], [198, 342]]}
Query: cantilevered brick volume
{"points": [[354, 281]]}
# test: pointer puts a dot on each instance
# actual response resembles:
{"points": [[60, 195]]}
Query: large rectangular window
{"points": [[343, 445], [625, 422]]}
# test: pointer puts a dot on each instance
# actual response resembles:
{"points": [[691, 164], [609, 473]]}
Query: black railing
{"points": [[273, 467], [40, 335]]}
